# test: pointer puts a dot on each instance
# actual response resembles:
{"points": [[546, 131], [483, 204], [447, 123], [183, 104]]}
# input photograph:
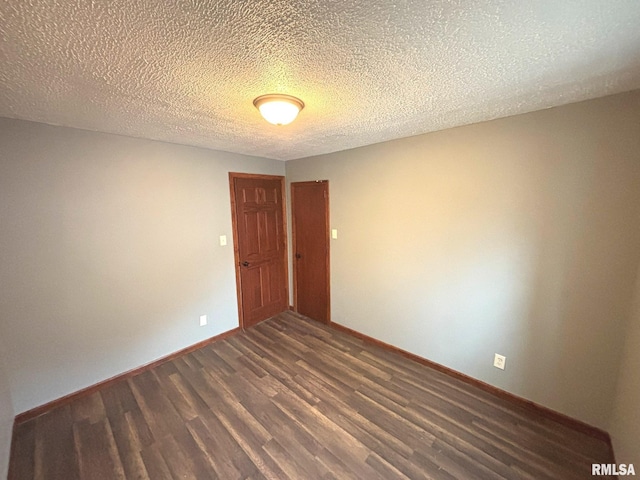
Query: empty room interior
{"points": [[428, 270]]}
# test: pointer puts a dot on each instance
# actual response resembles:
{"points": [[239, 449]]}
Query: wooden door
{"points": [[260, 246], [310, 214]]}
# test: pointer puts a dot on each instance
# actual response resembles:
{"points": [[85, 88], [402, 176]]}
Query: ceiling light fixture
{"points": [[278, 109]]}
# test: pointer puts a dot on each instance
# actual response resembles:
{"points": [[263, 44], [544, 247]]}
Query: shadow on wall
{"points": [[585, 276]]}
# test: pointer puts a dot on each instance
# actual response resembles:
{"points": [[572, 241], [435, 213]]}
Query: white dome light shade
{"points": [[278, 109]]}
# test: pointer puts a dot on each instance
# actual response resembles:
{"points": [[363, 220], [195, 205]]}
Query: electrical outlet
{"points": [[203, 320], [499, 361]]}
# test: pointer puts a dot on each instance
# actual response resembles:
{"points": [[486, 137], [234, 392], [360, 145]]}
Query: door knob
{"points": [[298, 255], [245, 264]]}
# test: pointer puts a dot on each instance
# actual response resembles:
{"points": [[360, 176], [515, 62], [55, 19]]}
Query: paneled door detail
{"points": [[310, 215], [260, 246]]}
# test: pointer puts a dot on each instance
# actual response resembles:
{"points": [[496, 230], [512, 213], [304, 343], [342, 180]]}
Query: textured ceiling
{"points": [[187, 71]]}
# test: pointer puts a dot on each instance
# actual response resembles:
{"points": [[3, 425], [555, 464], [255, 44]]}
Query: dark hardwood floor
{"points": [[292, 398]]}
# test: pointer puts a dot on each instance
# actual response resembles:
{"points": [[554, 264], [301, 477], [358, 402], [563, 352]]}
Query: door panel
{"points": [[310, 215], [259, 245]]}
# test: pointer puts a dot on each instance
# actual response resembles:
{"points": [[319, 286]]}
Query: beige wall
{"points": [[110, 253], [6, 416], [518, 236], [625, 427]]}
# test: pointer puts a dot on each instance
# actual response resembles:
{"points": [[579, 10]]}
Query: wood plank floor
{"points": [[292, 398]]}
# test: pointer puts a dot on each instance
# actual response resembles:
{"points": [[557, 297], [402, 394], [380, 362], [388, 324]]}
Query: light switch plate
{"points": [[334, 233], [499, 361], [223, 240]]}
